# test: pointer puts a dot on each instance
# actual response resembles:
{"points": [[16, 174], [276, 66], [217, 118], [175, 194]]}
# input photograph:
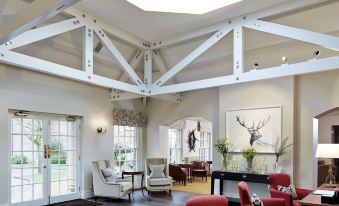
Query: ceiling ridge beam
{"points": [[35, 13], [44, 32], [249, 17], [310, 66], [118, 33], [325, 40], [216, 37]]}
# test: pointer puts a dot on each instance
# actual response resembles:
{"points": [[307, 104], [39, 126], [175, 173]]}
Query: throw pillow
{"points": [[255, 200], [290, 189], [109, 175], [157, 171]]}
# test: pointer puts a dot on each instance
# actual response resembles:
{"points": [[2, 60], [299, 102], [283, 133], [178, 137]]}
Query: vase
{"points": [[277, 167], [224, 163], [249, 165]]}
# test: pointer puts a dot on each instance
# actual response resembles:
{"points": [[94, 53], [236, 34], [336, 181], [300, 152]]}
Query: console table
{"points": [[236, 176]]}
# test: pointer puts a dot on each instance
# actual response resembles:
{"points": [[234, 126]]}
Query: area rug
{"points": [[197, 186], [79, 202]]}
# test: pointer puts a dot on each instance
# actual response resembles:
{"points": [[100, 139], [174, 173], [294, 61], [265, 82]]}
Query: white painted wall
{"points": [[26, 90], [325, 128]]}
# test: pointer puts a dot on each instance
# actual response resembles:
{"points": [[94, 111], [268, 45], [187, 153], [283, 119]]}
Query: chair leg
{"points": [[185, 182], [95, 198], [206, 178], [129, 196], [170, 192]]}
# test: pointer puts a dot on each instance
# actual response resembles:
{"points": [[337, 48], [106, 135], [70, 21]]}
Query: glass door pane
{"points": [[27, 161], [63, 160]]}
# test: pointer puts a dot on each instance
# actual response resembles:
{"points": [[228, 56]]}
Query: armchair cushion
{"points": [[109, 175], [161, 181], [157, 171], [256, 200], [273, 202], [125, 186]]}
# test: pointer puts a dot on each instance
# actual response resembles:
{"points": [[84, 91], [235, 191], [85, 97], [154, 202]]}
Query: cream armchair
{"points": [[158, 184], [102, 188]]}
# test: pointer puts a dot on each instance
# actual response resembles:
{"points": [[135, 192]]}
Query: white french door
{"points": [[44, 160]]}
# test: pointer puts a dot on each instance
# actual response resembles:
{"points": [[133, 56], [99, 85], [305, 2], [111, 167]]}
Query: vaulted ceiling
{"points": [[262, 48]]}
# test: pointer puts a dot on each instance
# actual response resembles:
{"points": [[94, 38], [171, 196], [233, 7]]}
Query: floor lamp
{"points": [[329, 151]]}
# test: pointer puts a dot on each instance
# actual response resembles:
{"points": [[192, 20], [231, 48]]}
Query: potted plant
{"points": [[223, 146], [249, 154], [280, 149]]}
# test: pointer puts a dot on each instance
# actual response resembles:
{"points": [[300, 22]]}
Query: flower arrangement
{"points": [[281, 147], [224, 146], [249, 154]]}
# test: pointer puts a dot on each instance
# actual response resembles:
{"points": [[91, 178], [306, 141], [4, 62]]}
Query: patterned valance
{"points": [[130, 118]]}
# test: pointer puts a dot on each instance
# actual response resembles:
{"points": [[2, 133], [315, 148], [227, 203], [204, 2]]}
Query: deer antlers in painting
{"points": [[254, 130], [191, 140]]}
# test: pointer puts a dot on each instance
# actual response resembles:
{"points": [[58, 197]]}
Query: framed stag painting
{"points": [[257, 127]]}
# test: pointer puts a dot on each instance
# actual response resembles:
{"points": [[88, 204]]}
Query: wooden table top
{"points": [[315, 200]]}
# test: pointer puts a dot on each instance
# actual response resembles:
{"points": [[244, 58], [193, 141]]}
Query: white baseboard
{"points": [[85, 194], [4, 204]]}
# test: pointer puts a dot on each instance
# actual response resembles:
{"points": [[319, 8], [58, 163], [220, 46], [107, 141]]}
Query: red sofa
{"points": [[207, 200], [285, 180], [245, 197]]}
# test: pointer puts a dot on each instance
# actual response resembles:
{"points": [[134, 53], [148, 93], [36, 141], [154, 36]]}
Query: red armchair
{"points": [[245, 197], [207, 200], [285, 180]]}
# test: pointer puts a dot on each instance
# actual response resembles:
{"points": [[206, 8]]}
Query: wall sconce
{"points": [[100, 130]]}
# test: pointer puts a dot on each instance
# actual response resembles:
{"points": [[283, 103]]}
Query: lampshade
{"points": [[327, 151]]}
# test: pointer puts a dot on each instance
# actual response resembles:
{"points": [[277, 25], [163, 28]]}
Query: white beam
{"points": [[193, 55], [119, 96], [87, 51], [118, 56], [125, 36], [327, 41], [311, 66], [159, 62], [134, 62], [238, 53], [176, 98], [35, 13], [148, 67], [294, 5], [44, 32], [35, 64]]}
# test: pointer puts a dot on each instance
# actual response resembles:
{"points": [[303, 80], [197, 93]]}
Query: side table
{"points": [[133, 173]]}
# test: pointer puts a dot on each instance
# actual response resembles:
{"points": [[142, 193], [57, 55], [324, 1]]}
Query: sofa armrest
{"points": [[273, 201], [283, 195], [302, 192]]}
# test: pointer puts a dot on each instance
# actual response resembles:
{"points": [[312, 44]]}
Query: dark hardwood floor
{"points": [[154, 199]]}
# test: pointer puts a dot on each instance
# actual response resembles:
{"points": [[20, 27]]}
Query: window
{"points": [[205, 146], [125, 148], [175, 145]]}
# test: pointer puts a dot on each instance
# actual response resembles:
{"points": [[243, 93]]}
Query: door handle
{"points": [[47, 151]]}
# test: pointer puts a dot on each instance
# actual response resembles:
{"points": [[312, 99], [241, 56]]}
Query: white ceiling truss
{"points": [[148, 53]]}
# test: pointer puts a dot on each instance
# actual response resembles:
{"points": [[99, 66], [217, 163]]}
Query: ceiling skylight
{"points": [[182, 6]]}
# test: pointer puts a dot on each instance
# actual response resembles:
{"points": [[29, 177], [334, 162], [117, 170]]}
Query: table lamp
{"points": [[328, 151]]}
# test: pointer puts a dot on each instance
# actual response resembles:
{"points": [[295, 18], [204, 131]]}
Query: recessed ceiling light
{"points": [[182, 6]]}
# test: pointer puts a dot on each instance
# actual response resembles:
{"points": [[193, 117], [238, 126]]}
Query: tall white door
{"points": [[44, 160]]}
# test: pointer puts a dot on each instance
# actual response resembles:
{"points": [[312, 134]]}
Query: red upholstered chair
{"points": [[285, 180], [207, 200], [245, 197]]}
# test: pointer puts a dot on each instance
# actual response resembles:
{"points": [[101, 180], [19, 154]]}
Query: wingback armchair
{"points": [[285, 180], [245, 197], [102, 188], [199, 169], [177, 173], [157, 184]]}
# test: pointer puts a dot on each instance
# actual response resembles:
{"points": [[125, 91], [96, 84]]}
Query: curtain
{"points": [[130, 118]]}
